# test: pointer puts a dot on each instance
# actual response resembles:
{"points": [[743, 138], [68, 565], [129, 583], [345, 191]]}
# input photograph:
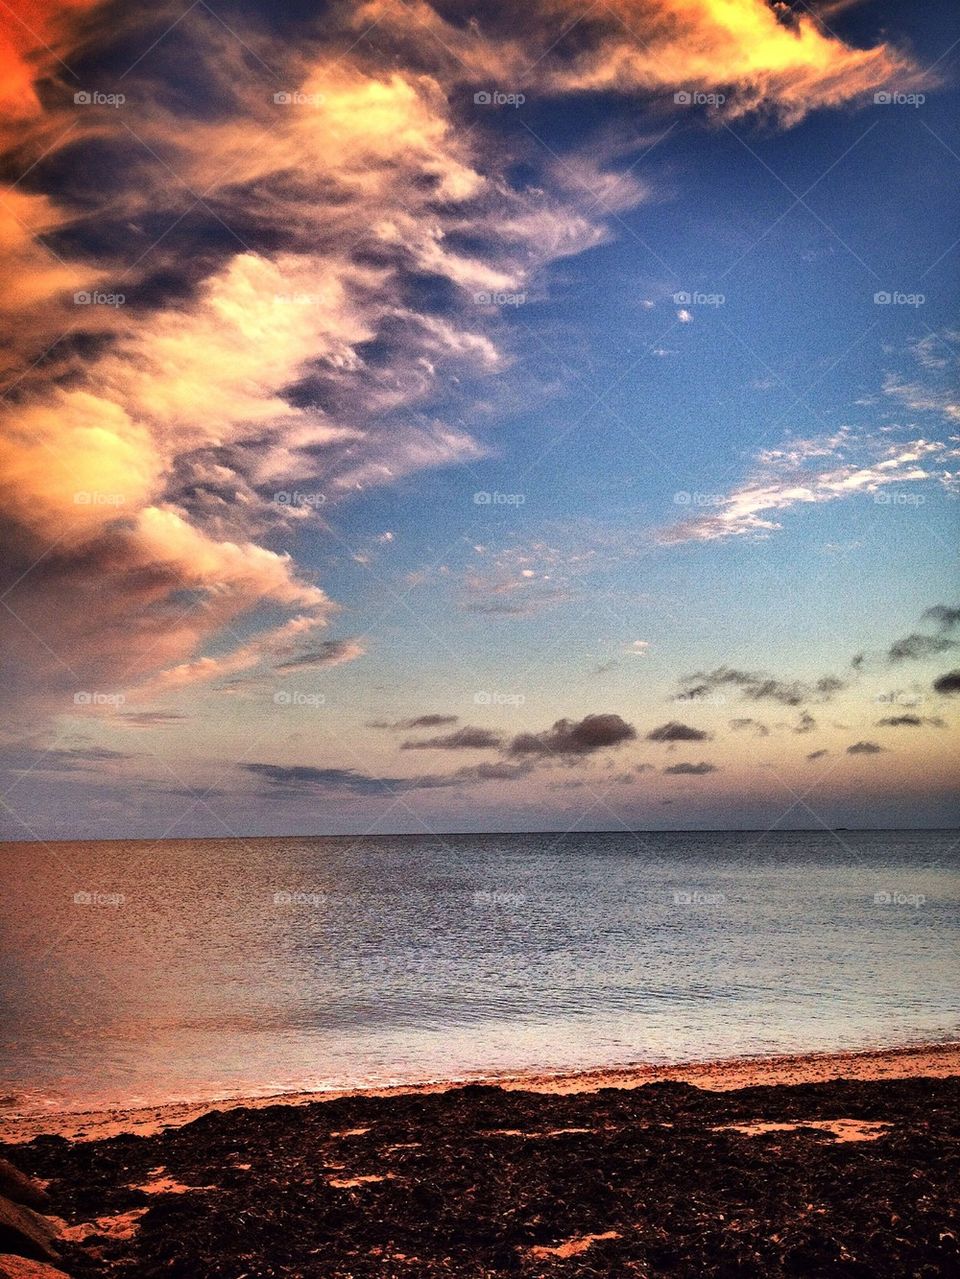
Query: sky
{"points": [[424, 417]]}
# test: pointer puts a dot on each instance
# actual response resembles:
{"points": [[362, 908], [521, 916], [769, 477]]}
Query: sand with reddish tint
{"points": [[936, 1061], [826, 1175]]}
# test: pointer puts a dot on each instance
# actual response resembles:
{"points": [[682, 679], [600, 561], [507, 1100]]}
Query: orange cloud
{"points": [[34, 39], [769, 56]]}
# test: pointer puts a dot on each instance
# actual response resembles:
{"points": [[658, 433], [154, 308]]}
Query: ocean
{"points": [[138, 973]]}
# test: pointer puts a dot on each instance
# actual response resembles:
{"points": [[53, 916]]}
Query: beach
{"points": [[827, 1164]]}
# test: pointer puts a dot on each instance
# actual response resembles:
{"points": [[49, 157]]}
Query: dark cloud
{"points": [[914, 647], [497, 771], [818, 754], [673, 731], [691, 770], [575, 738], [806, 723], [758, 687], [150, 719], [947, 683], [466, 738], [419, 721], [864, 748], [63, 759], [943, 615], [742, 724], [496, 609], [911, 721], [329, 653], [303, 777]]}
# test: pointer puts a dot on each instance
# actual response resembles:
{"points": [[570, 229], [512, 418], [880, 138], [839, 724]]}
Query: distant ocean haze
{"points": [[140, 973]]}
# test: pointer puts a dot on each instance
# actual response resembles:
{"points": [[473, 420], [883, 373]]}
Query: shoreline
{"points": [[923, 1060], [825, 1164]]}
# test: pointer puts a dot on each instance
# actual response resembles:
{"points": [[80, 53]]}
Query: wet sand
{"points": [[930, 1060], [844, 1164]]}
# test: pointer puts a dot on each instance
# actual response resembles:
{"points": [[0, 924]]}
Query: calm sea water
{"points": [[193, 969]]}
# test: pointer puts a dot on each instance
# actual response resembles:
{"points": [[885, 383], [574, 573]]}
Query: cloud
{"points": [[329, 653], [299, 778], [865, 748], [783, 63], [945, 616], [806, 723], [150, 719], [911, 721], [691, 770], [418, 721], [810, 472], [820, 754], [673, 731], [932, 386], [307, 329], [304, 777], [69, 759], [31, 43], [575, 737], [741, 724], [496, 771], [949, 682], [915, 647], [466, 738], [758, 687], [778, 62]]}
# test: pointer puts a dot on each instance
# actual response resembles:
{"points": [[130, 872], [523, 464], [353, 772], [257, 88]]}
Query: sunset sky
{"points": [[439, 417]]}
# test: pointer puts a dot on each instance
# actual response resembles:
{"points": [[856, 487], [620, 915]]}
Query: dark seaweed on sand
{"points": [[476, 1181]]}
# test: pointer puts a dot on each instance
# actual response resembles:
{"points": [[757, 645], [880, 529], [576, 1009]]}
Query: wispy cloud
{"points": [[466, 738], [812, 472], [758, 687]]}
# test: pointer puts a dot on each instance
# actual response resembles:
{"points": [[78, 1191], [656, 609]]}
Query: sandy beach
{"points": [[831, 1164], [929, 1060]]}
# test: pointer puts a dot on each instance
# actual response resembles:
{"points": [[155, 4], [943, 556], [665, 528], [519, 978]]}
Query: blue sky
{"points": [[519, 416]]}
